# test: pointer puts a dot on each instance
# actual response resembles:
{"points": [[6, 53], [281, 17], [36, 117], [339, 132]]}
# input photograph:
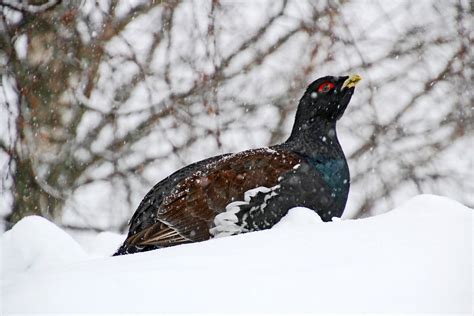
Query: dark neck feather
{"points": [[315, 137], [317, 141]]}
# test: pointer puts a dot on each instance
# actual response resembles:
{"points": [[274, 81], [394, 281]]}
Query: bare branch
{"points": [[29, 8]]}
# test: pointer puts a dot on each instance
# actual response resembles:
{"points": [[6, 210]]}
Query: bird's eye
{"points": [[325, 87]]}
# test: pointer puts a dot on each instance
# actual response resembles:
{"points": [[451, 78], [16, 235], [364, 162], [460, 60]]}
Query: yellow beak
{"points": [[351, 81]]}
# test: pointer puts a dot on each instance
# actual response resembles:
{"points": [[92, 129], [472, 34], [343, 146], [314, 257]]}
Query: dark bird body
{"points": [[252, 190]]}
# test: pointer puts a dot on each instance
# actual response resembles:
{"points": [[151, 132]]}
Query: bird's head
{"points": [[327, 98]]}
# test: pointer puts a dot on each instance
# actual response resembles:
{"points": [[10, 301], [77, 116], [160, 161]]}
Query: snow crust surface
{"points": [[416, 258]]}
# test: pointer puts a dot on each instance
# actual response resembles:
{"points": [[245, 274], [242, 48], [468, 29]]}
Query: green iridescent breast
{"points": [[335, 173]]}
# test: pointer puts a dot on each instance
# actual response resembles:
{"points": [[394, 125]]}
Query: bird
{"points": [[252, 190]]}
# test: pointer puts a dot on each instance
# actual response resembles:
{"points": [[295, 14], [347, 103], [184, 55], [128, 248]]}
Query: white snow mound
{"points": [[33, 243], [414, 259], [102, 244], [299, 217]]}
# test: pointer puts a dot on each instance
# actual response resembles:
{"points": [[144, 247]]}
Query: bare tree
{"points": [[102, 100]]}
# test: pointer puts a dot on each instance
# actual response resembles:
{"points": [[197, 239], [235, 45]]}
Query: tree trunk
{"points": [[29, 197]]}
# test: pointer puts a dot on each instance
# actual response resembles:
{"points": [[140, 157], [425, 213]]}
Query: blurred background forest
{"points": [[100, 100]]}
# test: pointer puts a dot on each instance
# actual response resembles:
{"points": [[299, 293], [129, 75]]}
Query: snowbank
{"points": [[416, 258], [34, 243]]}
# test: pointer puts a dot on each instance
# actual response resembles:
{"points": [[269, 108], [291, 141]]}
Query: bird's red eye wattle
{"points": [[325, 87]]}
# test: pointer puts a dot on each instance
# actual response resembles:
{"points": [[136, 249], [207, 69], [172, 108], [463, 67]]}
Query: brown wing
{"points": [[187, 214]]}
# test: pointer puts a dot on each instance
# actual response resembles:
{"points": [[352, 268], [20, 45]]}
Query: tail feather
{"points": [[130, 249]]}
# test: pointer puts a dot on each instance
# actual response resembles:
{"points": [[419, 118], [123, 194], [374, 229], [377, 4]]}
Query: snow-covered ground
{"points": [[416, 258]]}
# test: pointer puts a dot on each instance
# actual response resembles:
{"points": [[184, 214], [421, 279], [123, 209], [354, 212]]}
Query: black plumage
{"points": [[252, 190]]}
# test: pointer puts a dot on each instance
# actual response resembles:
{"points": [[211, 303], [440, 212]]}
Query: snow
{"points": [[416, 258], [298, 218], [36, 243]]}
